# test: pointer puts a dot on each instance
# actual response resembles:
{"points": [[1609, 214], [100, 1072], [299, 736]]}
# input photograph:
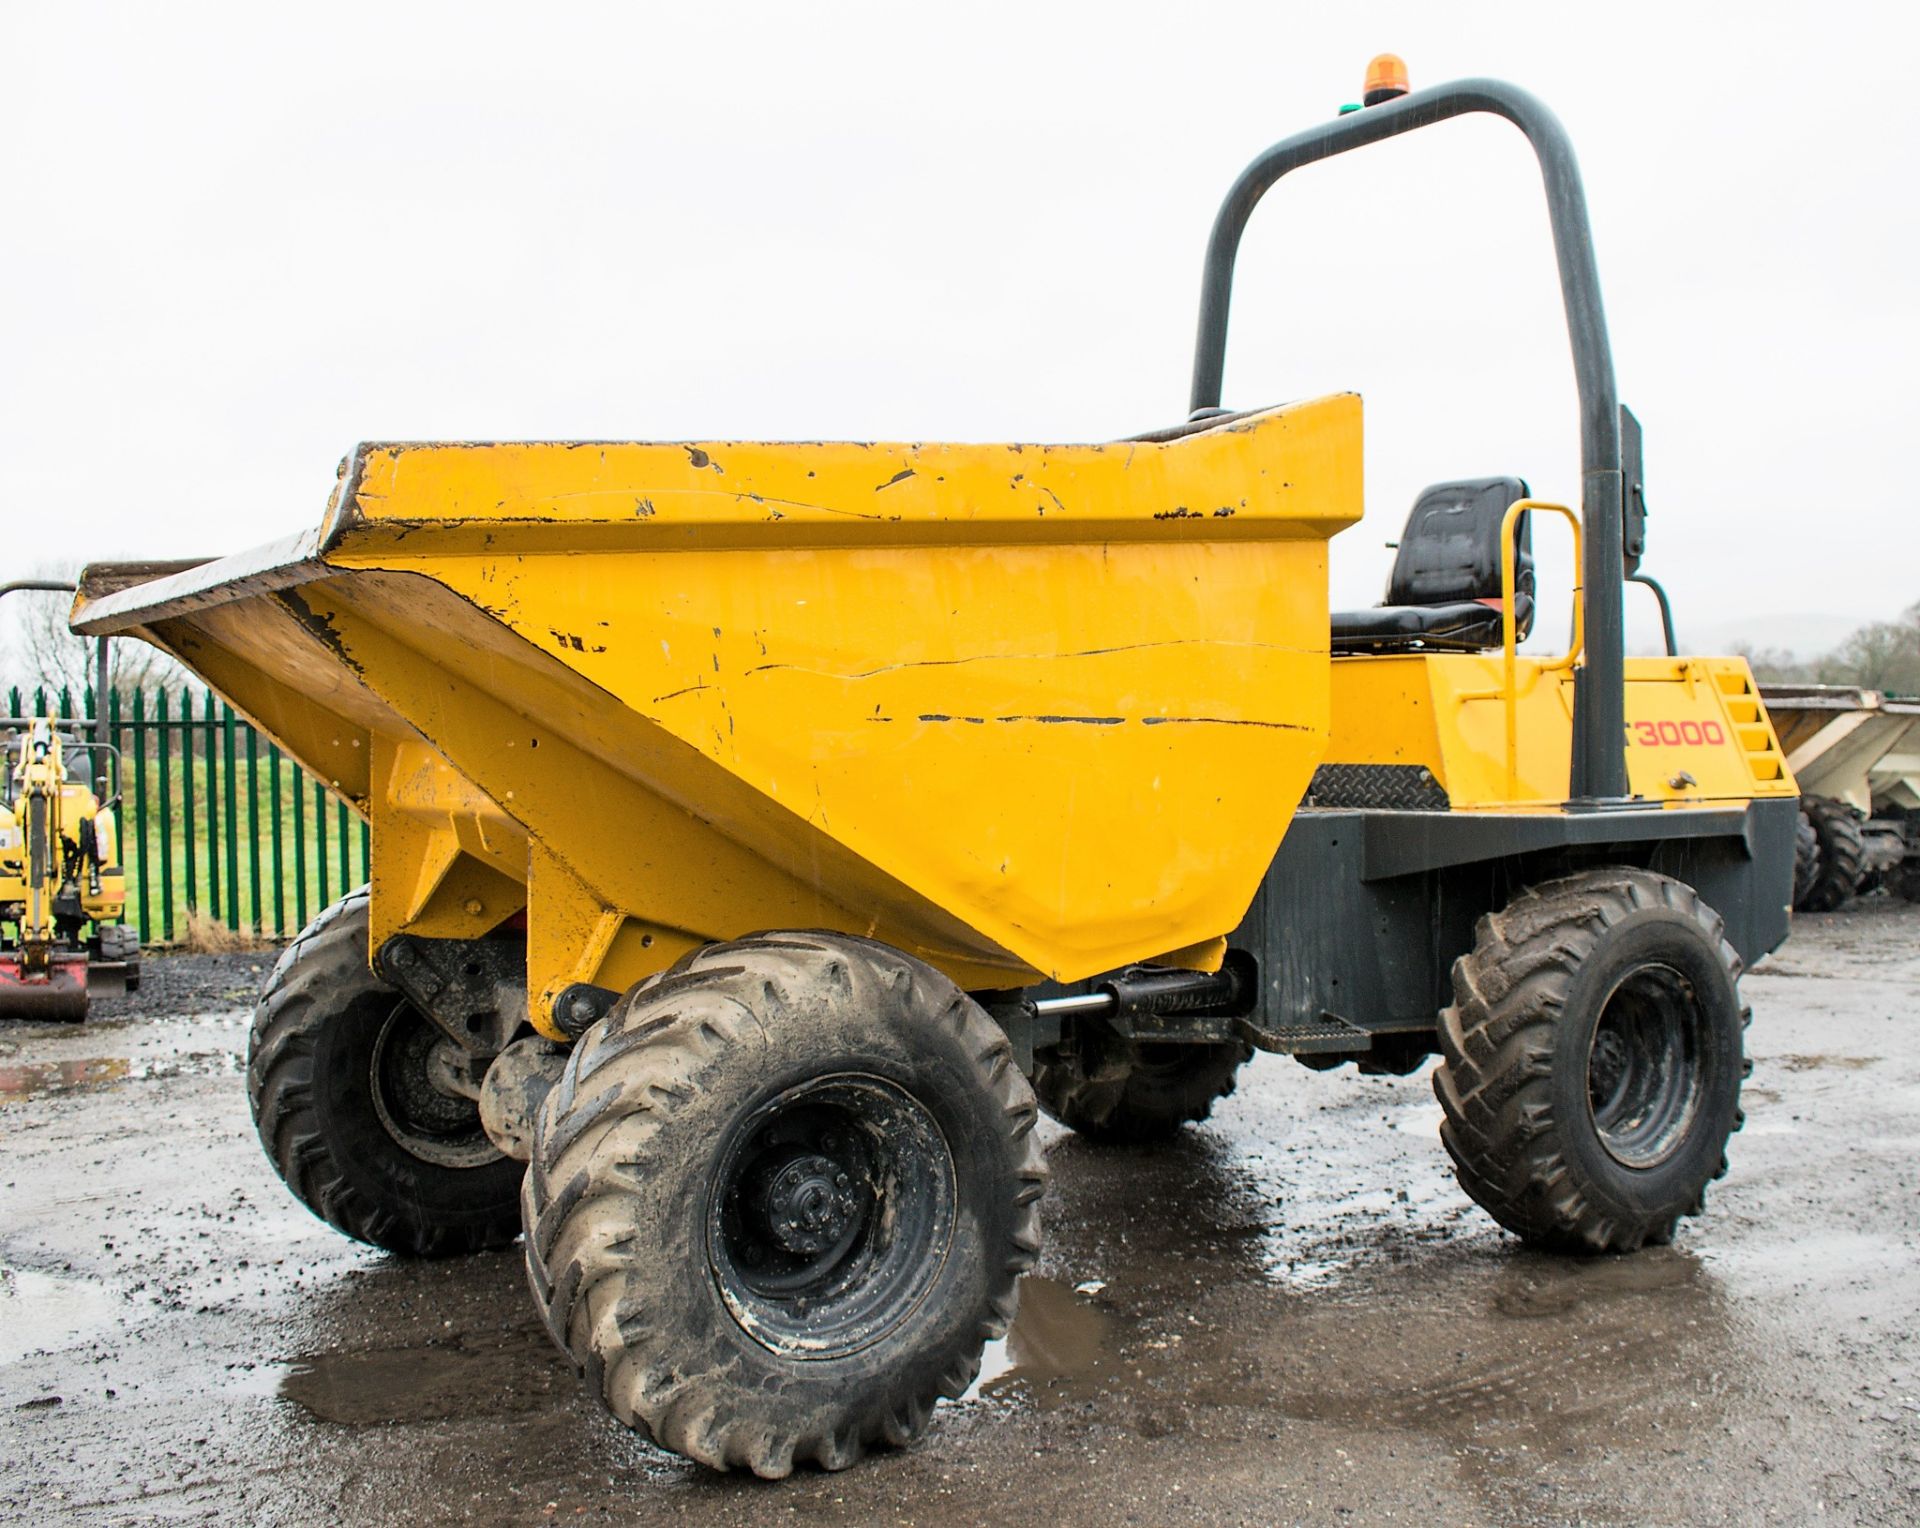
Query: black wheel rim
{"points": [[425, 1119], [1644, 1066], [831, 1215]]}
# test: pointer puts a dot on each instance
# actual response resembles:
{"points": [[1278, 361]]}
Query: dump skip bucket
{"points": [[1021, 711], [1846, 743]]}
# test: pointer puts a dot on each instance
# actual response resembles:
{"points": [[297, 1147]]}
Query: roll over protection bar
{"points": [[1599, 766]]}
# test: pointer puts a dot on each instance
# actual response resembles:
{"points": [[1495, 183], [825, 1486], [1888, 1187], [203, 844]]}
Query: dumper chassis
{"points": [[753, 866]]}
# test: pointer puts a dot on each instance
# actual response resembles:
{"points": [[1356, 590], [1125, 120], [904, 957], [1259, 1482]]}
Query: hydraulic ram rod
{"points": [[1142, 991]]}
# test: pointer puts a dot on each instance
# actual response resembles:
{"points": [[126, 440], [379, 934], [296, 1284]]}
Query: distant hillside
{"points": [[1800, 638]]}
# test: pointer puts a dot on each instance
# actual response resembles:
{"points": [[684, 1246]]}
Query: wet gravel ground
{"points": [[1291, 1316]]}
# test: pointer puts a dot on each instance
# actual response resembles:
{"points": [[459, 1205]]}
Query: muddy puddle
{"points": [[92, 1073], [103, 1054], [43, 1312], [26, 1081], [1826, 1063], [379, 1386], [1292, 1314], [1058, 1340]]}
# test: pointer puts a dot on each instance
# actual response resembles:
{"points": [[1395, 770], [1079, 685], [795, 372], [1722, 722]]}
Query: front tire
{"points": [[781, 1197], [342, 1097], [1592, 1060]]}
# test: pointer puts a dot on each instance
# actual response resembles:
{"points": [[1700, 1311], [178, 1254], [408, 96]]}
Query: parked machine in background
{"points": [[1895, 783], [1856, 755], [764, 833], [62, 891]]}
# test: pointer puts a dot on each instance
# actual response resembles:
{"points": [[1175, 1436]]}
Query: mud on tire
{"points": [[348, 1119], [781, 1197], [1593, 1060], [1113, 1090]]}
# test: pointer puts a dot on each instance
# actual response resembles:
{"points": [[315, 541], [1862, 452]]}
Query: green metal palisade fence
{"points": [[213, 818]]}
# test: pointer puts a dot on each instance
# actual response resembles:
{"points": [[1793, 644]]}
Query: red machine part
{"points": [[55, 995]]}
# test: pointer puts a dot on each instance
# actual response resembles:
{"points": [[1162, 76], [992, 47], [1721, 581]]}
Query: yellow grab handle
{"points": [[1509, 640]]}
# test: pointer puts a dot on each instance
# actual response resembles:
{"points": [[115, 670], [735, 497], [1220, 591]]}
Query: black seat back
{"points": [[1445, 593], [1450, 551]]}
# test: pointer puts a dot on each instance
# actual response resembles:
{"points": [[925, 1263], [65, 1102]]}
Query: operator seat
{"points": [[1444, 594]]}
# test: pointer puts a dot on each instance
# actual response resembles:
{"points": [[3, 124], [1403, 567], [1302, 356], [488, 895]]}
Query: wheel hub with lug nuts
{"points": [[832, 1211], [809, 1204]]}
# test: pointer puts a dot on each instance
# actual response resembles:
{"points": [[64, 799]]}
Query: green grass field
{"points": [[189, 861]]}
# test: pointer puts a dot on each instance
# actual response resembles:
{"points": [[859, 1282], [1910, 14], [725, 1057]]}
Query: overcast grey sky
{"points": [[240, 238]]}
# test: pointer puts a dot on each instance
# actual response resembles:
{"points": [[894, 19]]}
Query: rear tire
{"points": [[1843, 853], [1806, 860], [341, 1096], [1593, 1060], [781, 1197], [1114, 1091]]}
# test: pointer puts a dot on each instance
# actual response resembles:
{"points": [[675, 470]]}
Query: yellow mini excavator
{"points": [[60, 874]]}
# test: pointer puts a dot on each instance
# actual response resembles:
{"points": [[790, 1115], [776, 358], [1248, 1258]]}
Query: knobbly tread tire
{"points": [[1806, 860], [1843, 853], [308, 1064], [624, 1159], [1523, 1149], [1131, 1100]]}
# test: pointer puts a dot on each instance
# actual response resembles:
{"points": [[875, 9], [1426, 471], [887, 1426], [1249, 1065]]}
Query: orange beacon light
{"points": [[1386, 79]]}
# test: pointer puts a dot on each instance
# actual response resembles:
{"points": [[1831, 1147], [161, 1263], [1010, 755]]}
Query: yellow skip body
{"points": [[1022, 711]]}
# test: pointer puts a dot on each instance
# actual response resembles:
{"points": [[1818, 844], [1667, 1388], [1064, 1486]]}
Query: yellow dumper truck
{"points": [[764, 834]]}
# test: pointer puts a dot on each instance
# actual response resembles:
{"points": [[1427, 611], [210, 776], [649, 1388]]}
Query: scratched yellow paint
{"points": [[1021, 710], [1026, 710], [1288, 473]]}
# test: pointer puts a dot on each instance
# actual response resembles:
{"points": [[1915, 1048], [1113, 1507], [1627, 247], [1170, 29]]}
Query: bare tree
{"points": [[1772, 665], [1882, 656], [39, 650]]}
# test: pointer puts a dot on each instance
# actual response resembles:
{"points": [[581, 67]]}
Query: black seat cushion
{"points": [[1445, 590]]}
